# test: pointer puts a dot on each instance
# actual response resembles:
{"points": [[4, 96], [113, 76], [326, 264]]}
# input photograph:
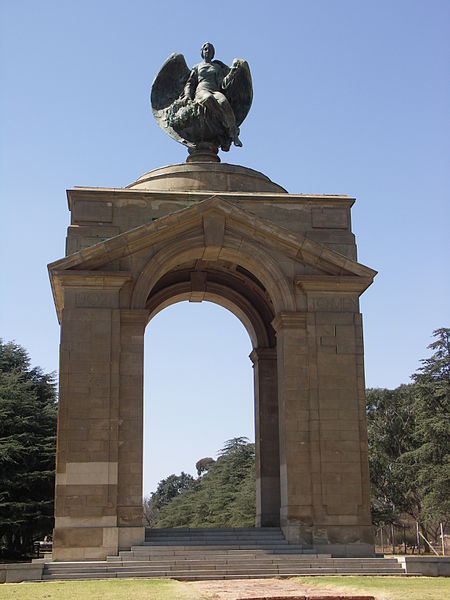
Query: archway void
{"points": [[198, 387]]}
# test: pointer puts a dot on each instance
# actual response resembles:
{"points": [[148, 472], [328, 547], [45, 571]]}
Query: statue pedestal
{"points": [[203, 153]]}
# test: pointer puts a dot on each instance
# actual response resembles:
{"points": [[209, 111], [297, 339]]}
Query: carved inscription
{"points": [[96, 299], [333, 303]]}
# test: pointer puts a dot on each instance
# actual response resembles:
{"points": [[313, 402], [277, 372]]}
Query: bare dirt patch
{"points": [[264, 588]]}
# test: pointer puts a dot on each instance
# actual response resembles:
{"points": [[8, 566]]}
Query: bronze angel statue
{"points": [[204, 107]]}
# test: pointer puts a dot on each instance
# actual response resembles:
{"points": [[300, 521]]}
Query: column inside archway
{"points": [[266, 437]]}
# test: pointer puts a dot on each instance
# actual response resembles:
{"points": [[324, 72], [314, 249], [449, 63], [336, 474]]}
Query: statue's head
{"points": [[208, 51]]}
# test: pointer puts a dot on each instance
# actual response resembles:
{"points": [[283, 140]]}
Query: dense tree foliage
{"points": [[27, 451], [223, 496], [428, 462], [409, 455], [409, 443], [203, 464], [168, 489], [390, 427]]}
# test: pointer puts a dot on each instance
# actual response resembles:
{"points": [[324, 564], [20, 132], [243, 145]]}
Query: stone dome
{"points": [[205, 176]]}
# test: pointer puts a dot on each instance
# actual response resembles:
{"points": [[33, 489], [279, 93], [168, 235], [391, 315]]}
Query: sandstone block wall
{"points": [[285, 265]]}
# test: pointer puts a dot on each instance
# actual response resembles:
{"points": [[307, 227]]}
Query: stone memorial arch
{"points": [[285, 265]]}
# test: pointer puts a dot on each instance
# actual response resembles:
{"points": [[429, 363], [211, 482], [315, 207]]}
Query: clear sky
{"points": [[350, 97]]}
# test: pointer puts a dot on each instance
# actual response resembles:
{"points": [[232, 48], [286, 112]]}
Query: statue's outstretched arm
{"points": [[229, 78]]}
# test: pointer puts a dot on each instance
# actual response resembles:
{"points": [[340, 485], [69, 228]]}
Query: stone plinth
{"points": [[205, 176], [285, 265]]}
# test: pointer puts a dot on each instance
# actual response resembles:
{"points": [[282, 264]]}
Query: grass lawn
{"points": [[104, 589], [383, 588], [388, 588]]}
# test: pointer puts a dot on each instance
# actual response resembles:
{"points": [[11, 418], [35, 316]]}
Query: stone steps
{"points": [[200, 554], [250, 568], [173, 548], [191, 575], [211, 531], [217, 571], [340, 563], [218, 557], [214, 537]]}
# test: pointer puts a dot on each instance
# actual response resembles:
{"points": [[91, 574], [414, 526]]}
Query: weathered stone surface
{"points": [[17, 572], [210, 177], [270, 258], [430, 566]]}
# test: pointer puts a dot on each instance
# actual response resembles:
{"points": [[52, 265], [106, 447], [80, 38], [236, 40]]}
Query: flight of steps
{"points": [[199, 554]]}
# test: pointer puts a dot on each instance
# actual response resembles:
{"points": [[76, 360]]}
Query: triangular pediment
{"points": [[218, 219], [292, 245]]}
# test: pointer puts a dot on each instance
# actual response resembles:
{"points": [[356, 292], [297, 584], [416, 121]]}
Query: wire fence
{"points": [[413, 538]]}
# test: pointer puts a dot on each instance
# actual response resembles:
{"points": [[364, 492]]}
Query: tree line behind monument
{"points": [[409, 456]]}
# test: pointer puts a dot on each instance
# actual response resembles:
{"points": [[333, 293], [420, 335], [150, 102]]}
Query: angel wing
{"points": [[169, 82], [166, 89], [239, 91]]}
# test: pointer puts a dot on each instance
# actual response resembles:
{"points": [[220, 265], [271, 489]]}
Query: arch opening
{"points": [[235, 289], [223, 283]]}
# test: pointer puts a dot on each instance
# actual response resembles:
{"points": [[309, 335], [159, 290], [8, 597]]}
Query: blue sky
{"points": [[350, 97]]}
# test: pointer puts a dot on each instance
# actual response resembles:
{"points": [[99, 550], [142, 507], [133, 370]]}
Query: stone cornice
{"points": [[111, 194], [84, 279], [96, 279], [258, 354], [333, 283], [289, 320]]}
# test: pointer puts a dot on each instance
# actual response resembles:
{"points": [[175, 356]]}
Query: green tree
{"points": [[390, 428], [224, 496], [204, 464], [428, 462], [168, 489], [171, 487], [27, 451], [409, 444]]}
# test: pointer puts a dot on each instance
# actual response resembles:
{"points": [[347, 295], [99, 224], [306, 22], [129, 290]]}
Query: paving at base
{"points": [[268, 589]]}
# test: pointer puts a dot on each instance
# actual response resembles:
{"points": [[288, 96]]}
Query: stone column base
{"points": [[268, 520], [131, 536], [94, 543], [340, 541]]}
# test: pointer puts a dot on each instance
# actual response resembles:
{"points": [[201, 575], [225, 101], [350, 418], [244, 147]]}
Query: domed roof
{"points": [[205, 176]]}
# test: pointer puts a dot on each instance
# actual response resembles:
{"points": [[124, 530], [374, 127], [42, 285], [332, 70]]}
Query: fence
{"points": [[412, 538]]}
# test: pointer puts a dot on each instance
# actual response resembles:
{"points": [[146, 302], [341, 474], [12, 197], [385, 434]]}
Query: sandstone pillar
{"points": [[266, 437], [130, 433], [88, 419], [295, 427], [98, 507], [325, 492]]}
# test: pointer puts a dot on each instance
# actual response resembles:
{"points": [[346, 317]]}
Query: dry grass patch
{"points": [[102, 589], [386, 588]]}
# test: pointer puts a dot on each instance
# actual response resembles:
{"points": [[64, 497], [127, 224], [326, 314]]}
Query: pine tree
{"points": [[409, 444], [27, 451], [224, 496], [429, 462], [390, 428]]}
